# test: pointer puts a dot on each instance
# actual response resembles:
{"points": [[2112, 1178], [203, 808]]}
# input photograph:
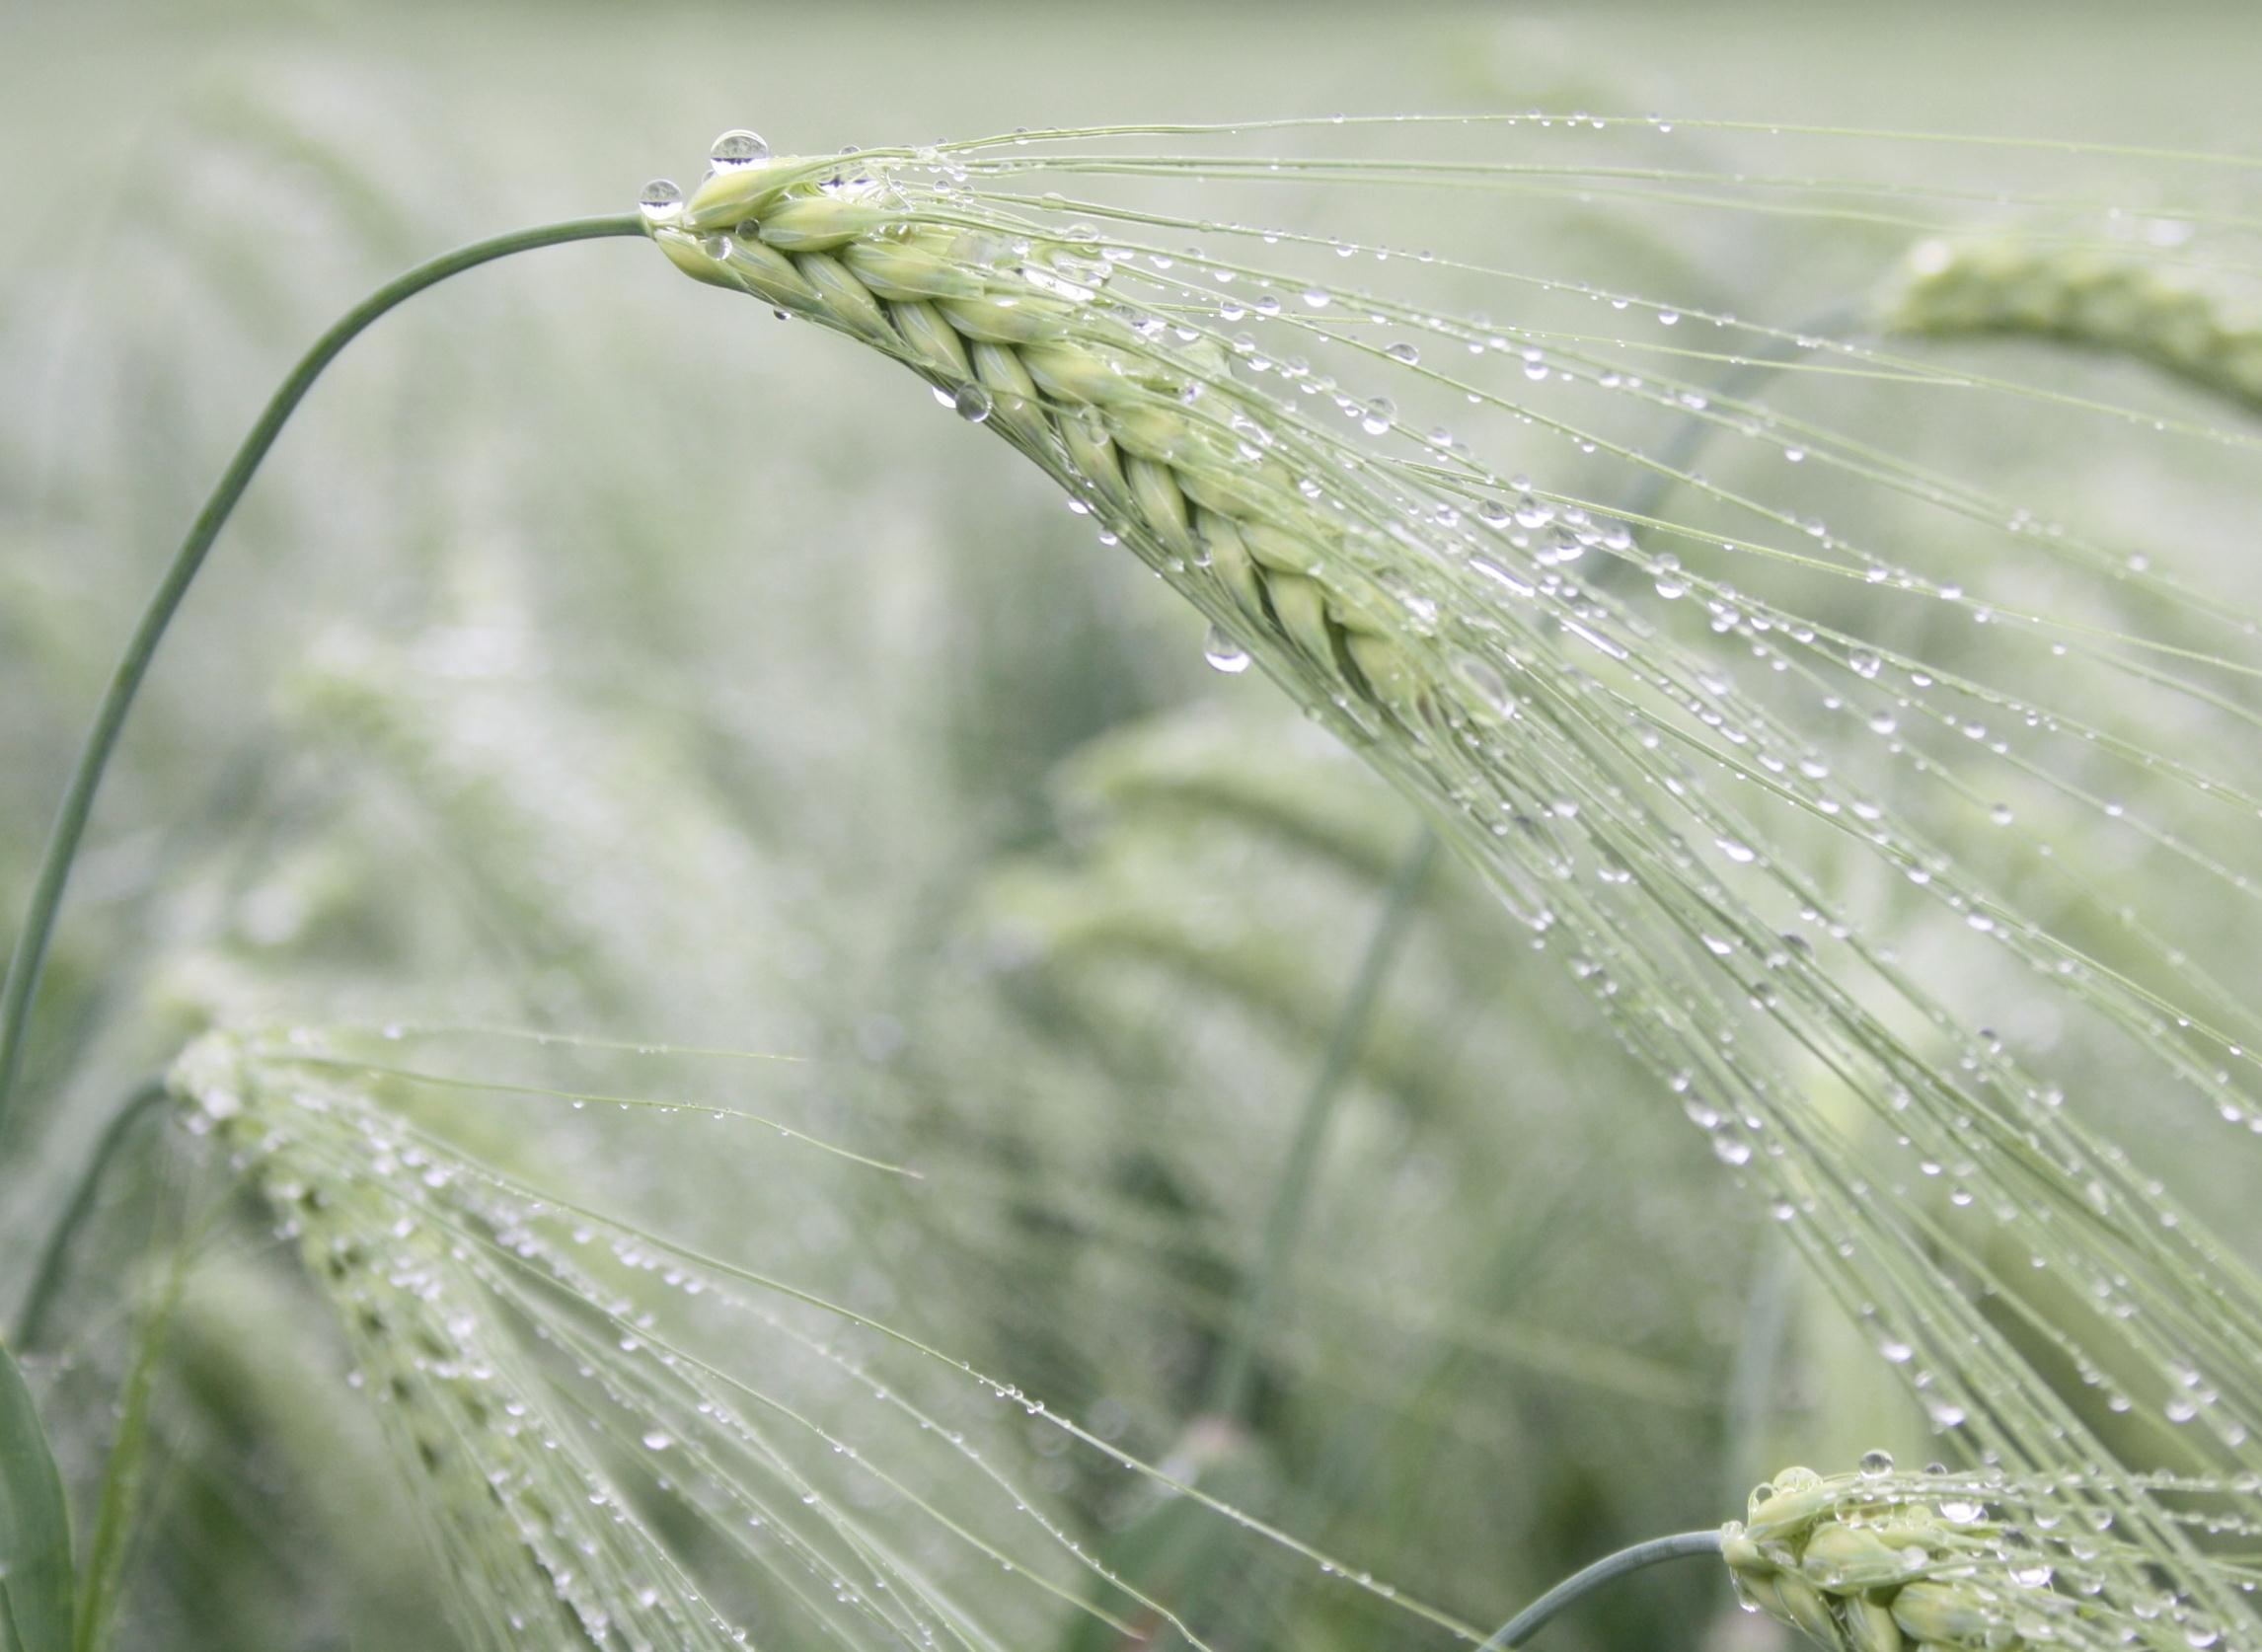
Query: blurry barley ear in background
{"points": [[769, 1039]]}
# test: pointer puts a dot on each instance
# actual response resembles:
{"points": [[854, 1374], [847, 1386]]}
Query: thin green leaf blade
{"points": [[34, 1527]]}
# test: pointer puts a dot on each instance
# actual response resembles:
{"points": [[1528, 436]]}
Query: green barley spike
{"points": [[1142, 427], [2120, 305], [1882, 1561], [1364, 584], [531, 1534]]}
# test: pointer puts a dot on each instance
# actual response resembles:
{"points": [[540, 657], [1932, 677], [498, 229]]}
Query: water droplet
{"points": [[737, 148], [972, 403], [659, 201], [1876, 1464], [1403, 351], [1224, 654], [1491, 690]]}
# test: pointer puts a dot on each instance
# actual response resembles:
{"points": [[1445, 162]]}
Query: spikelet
{"points": [[1879, 1561], [529, 1527], [2119, 304], [588, 1475]]}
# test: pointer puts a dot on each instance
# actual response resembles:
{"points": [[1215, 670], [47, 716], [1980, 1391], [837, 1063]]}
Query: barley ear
{"points": [[2108, 302], [1880, 1561], [1139, 428]]}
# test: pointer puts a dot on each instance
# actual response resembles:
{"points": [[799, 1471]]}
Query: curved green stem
{"points": [[30, 949], [32, 1322], [1231, 1391], [1536, 1616]]}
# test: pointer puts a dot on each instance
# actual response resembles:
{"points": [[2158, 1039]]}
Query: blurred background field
{"points": [[601, 657]]}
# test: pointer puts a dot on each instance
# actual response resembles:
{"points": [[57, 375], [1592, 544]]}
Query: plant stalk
{"points": [[1233, 1388], [31, 1319], [1536, 1616], [30, 949]]}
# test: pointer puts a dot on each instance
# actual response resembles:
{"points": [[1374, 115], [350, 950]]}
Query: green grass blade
{"points": [[35, 1526], [126, 1472]]}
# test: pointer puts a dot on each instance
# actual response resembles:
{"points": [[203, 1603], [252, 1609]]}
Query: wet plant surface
{"points": [[1607, 848]]}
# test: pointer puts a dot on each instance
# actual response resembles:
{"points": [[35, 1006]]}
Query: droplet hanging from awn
{"points": [[1224, 654]]}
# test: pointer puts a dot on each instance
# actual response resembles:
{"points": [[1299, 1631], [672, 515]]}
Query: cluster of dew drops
{"points": [[661, 201]]}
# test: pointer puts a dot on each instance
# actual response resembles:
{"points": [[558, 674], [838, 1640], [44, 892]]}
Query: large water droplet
{"points": [[1876, 1464], [1224, 654], [737, 148], [659, 201], [972, 403]]}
